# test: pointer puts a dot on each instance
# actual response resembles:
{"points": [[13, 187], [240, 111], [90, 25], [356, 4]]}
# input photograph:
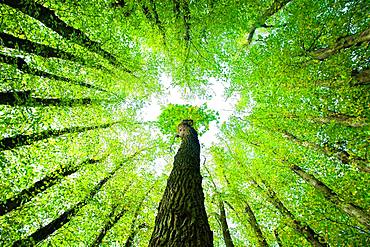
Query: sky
{"points": [[172, 95]]}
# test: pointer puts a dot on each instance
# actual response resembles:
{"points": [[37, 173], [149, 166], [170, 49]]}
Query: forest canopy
{"points": [[285, 164]]}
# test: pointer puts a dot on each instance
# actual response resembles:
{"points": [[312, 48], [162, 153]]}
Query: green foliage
{"points": [[172, 115]]}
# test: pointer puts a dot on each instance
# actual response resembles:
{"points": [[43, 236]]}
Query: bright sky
{"points": [[224, 106]]}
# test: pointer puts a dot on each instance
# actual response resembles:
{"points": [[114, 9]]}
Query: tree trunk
{"points": [[342, 43], [24, 67], [181, 218], [341, 155], [42, 50], [45, 231], [304, 229], [277, 237], [113, 218], [257, 230], [49, 180], [49, 18], [353, 210], [225, 227], [9, 143], [362, 77], [24, 98]]}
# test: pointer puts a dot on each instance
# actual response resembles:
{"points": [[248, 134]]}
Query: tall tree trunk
{"points": [[353, 210], [45, 231], [9, 143], [222, 216], [24, 67], [342, 43], [49, 180], [24, 98], [224, 226], [49, 18], [256, 228], [362, 77], [304, 229], [341, 155], [181, 219], [42, 50], [113, 218], [277, 237]]}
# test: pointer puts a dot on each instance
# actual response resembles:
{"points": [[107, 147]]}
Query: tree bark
{"points": [[9, 143], [353, 210], [224, 226], [45, 51], [277, 237], [362, 77], [49, 18], [342, 43], [49, 180], [341, 155], [182, 219], [304, 229], [45, 231], [257, 230], [113, 218], [21, 64], [275, 7], [24, 98]]}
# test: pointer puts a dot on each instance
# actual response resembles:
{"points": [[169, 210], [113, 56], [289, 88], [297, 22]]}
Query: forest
{"points": [[92, 92]]}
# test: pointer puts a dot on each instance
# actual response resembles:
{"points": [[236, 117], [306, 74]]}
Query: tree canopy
{"points": [[81, 166]]}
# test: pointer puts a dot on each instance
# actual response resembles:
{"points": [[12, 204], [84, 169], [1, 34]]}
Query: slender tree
{"points": [[22, 65], [49, 180], [181, 219]]}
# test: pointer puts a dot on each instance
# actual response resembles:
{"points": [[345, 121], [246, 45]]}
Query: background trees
{"points": [[79, 165]]}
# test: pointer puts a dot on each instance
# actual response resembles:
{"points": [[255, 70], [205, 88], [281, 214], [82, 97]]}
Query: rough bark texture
{"points": [[257, 230], [181, 218], [353, 210]]}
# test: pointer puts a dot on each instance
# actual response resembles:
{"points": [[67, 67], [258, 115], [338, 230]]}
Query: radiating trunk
{"points": [[42, 50], [9, 143], [342, 43], [49, 18], [353, 210], [303, 229], [362, 77], [24, 67], [45, 231], [224, 226], [256, 228], [181, 219], [277, 237], [134, 228], [24, 98], [113, 218], [341, 155], [49, 180]]}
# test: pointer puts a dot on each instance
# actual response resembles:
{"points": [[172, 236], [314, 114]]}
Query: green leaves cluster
{"points": [[173, 114]]}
